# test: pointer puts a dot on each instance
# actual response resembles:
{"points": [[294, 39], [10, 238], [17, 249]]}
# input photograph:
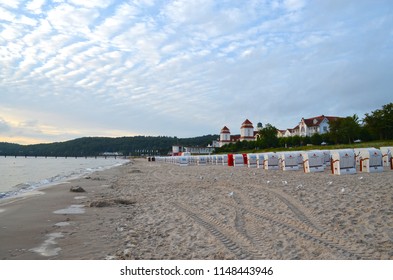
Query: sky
{"points": [[186, 68]]}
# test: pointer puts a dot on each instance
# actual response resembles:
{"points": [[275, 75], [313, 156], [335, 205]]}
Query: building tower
{"points": [[259, 129], [247, 131], [225, 136]]}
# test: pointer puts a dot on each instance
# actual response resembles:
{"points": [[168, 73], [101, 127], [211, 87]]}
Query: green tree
{"points": [[380, 122], [316, 139], [344, 130], [349, 128], [268, 137]]}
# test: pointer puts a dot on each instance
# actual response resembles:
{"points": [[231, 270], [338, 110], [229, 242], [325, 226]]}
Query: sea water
{"points": [[23, 174]]}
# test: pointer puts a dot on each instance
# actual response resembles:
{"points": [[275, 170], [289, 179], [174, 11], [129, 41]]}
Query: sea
{"points": [[20, 175]]}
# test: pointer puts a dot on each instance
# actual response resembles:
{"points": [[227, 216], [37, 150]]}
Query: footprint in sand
{"points": [[49, 247], [72, 209]]}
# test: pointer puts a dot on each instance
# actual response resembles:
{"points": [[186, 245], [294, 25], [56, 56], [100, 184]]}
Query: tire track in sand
{"points": [[241, 247], [301, 229], [301, 212]]}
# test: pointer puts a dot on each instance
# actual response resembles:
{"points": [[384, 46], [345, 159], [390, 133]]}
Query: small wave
{"points": [[73, 174]]}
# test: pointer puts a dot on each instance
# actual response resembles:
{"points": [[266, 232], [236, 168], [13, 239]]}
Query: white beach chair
{"points": [[252, 160], [288, 161], [183, 161], [343, 162], [238, 160], [260, 160], [326, 158], [358, 152], [387, 156], [270, 161], [371, 160], [313, 161], [225, 160], [201, 160]]}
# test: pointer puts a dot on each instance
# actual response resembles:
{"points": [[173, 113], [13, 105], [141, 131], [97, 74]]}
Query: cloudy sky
{"points": [[185, 68]]}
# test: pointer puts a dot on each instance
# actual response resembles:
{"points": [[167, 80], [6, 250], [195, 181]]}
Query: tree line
{"points": [[377, 125], [95, 146]]}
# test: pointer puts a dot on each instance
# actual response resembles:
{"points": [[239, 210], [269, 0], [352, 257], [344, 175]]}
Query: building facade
{"points": [[309, 127], [247, 133]]}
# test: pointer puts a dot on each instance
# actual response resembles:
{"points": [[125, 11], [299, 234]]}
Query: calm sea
{"points": [[18, 175]]}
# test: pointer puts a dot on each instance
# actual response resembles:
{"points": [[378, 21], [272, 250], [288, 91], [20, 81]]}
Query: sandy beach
{"points": [[151, 210]]}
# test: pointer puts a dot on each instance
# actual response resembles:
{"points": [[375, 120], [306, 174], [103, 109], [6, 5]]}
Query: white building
{"points": [[247, 133], [308, 127], [225, 136]]}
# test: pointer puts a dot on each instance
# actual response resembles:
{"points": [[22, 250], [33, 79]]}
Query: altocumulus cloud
{"points": [[187, 67]]}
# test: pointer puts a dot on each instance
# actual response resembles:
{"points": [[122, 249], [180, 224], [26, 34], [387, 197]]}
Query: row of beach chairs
{"points": [[344, 161]]}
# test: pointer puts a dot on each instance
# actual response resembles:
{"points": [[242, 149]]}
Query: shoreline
{"points": [[29, 188], [29, 223], [151, 211]]}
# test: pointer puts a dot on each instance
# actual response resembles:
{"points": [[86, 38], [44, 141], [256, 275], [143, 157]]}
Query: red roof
{"points": [[247, 123], [316, 121], [225, 130]]}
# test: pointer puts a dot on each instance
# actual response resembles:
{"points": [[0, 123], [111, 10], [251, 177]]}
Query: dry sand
{"points": [[151, 210]]}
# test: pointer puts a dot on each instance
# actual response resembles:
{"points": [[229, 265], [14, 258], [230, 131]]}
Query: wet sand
{"points": [[150, 210]]}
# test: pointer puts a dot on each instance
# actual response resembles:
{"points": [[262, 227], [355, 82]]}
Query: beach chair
{"points": [[387, 156], [358, 152], [313, 161], [230, 159], [201, 160], [371, 160], [183, 161], [288, 161], [252, 160], [225, 160], [245, 159], [238, 160], [343, 162], [260, 160], [270, 161], [326, 157]]}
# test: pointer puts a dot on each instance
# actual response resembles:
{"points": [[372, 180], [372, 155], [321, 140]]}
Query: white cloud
{"points": [[6, 15], [43, 30], [92, 4], [35, 6], [71, 20], [118, 23], [11, 33], [27, 20], [11, 4], [293, 5]]}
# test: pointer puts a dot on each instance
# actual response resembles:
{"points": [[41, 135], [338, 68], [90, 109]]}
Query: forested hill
{"points": [[92, 146]]}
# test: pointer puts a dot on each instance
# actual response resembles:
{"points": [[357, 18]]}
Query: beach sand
{"points": [[151, 210]]}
